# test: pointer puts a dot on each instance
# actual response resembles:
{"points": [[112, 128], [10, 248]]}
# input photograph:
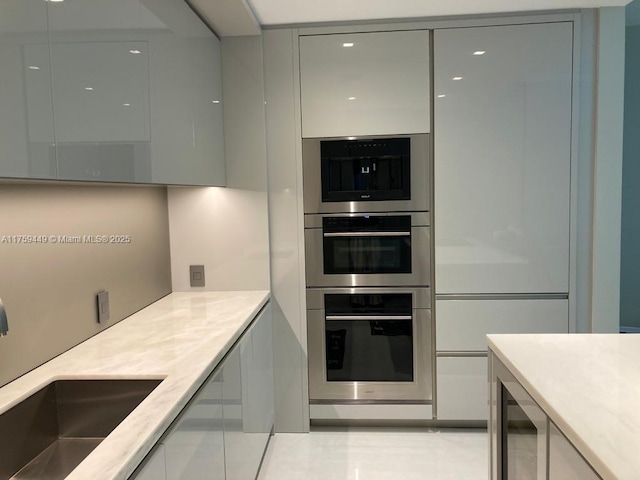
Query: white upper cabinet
{"points": [[365, 84], [26, 113], [502, 158], [110, 91]]}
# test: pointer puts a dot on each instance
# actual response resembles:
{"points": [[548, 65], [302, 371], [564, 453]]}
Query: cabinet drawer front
{"points": [[461, 325], [462, 388]]}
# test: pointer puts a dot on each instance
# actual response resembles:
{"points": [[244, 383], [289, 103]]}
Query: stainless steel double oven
{"points": [[368, 269]]}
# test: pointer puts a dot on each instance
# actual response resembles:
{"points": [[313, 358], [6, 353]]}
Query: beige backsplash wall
{"points": [[49, 289]]}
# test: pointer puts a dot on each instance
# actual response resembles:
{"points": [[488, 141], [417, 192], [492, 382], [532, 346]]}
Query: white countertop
{"points": [[180, 338], [589, 385]]}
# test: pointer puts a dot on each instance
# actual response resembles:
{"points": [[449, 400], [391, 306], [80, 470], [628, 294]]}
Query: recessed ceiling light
{"points": [[457, 78], [126, 104], [215, 101], [54, 1], [351, 138], [479, 52], [351, 98], [88, 88], [34, 67], [135, 52], [347, 44], [441, 96]]}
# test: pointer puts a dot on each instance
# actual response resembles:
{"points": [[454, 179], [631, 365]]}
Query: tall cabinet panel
{"points": [[26, 112], [365, 84], [502, 158], [502, 168]]}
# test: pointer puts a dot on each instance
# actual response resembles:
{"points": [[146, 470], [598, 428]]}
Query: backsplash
{"points": [[62, 244]]}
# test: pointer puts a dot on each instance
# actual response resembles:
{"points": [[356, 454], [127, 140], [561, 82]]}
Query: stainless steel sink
{"points": [[48, 434]]}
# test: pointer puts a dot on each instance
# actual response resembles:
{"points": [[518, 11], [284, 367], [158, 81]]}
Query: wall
{"points": [[630, 264], [49, 289], [227, 229]]}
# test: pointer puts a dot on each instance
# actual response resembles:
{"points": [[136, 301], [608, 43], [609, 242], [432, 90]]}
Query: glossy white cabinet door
{"points": [[100, 85], [462, 388], [565, 462], [462, 325], [187, 144], [26, 114], [194, 449], [365, 84], [502, 158], [154, 466], [248, 400]]}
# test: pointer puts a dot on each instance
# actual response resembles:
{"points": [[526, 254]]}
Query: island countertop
{"points": [[589, 386], [180, 339]]}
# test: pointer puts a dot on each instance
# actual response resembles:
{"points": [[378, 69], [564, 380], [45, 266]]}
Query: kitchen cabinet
{"points": [[224, 430], [462, 326], [123, 91], [26, 112], [565, 462], [502, 187], [502, 158], [524, 442], [462, 388], [248, 401], [365, 84], [155, 468]]}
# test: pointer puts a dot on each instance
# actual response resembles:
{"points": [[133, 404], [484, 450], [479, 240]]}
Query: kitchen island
{"points": [[588, 386], [180, 339]]}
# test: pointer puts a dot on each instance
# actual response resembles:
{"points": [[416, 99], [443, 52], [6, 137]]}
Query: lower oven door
{"points": [[370, 345]]}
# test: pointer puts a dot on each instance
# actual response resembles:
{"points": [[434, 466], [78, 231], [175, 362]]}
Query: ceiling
{"points": [[280, 12]]}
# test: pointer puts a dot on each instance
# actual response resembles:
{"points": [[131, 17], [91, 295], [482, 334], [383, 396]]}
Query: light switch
{"points": [[196, 275], [103, 306]]}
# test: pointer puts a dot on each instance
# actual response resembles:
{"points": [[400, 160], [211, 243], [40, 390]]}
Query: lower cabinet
{"points": [[223, 431], [462, 388], [461, 345], [565, 462], [524, 442]]}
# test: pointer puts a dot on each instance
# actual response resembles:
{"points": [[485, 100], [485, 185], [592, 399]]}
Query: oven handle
{"points": [[368, 317], [367, 234]]}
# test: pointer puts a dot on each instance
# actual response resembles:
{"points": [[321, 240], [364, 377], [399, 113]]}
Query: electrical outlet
{"points": [[103, 306], [196, 275]]}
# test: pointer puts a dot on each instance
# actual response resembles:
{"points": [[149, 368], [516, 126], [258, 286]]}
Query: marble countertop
{"points": [[589, 385], [181, 338]]}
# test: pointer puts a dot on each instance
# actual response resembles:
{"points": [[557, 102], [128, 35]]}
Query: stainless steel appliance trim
{"points": [[418, 219], [421, 295], [420, 180], [367, 234], [420, 390], [420, 265], [462, 353], [503, 296], [370, 402], [368, 317]]}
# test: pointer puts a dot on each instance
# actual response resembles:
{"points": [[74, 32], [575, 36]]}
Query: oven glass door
{"points": [[365, 170], [369, 338], [367, 245]]}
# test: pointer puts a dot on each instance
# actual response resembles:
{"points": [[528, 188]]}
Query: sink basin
{"points": [[48, 434]]}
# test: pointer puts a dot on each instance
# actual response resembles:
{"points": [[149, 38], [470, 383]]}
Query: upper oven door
{"points": [[353, 250], [373, 174]]}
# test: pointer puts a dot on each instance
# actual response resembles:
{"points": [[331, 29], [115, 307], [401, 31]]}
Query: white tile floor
{"points": [[375, 454]]}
